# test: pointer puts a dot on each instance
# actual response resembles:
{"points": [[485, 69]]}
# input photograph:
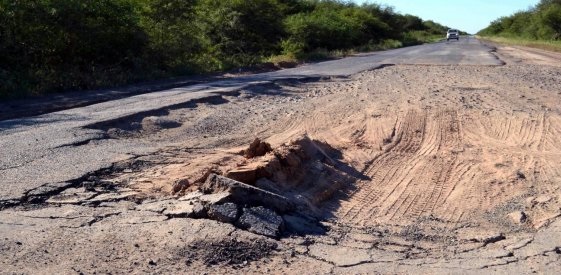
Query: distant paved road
{"points": [[40, 154]]}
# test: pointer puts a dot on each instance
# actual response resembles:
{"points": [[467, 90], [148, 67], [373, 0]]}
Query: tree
{"points": [[58, 44], [551, 17], [174, 37], [239, 32]]}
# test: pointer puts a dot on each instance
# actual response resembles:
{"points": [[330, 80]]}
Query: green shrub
{"points": [[174, 41], [321, 29], [331, 28], [240, 32], [390, 44], [57, 45], [551, 18], [542, 22]]}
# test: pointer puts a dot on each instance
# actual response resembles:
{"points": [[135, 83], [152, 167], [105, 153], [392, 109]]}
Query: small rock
{"points": [[180, 185], [262, 221], [257, 148], [518, 217], [227, 212]]}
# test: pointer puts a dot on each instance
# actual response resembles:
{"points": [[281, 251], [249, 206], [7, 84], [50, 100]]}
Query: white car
{"points": [[453, 34]]}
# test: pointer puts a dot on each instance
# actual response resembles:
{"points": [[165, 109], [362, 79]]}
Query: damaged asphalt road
{"points": [[171, 182], [58, 147]]}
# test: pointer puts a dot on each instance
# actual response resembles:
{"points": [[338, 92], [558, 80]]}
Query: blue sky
{"points": [[467, 15]]}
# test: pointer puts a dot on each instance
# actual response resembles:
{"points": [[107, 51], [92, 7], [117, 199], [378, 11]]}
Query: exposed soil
{"points": [[410, 168], [453, 147]]}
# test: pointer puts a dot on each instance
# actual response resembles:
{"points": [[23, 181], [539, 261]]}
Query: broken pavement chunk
{"points": [[242, 193], [180, 209], [199, 211], [262, 221], [155, 206], [245, 175], [227, 212], [217, 198], [114, 196], [267, 185]]}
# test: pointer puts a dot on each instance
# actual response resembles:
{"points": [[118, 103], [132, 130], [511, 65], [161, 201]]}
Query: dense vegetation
{"points": [[541, 22], [56, 45]]}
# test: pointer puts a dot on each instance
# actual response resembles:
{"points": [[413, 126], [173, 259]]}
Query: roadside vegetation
{"points": [[538, 27], [50, 46]]}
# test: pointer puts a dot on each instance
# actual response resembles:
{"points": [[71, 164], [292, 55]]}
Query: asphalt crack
{"points": [[103, 136], [99, 218]]}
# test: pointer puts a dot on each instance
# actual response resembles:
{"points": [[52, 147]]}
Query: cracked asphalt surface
{"points": [[67, 205], [42, 150]]}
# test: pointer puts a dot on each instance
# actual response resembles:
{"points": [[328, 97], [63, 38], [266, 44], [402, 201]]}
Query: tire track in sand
{"points": [[413, 175]]}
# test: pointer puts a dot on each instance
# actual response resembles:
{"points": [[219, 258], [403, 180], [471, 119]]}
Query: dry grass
{"points": [[548, 45]]}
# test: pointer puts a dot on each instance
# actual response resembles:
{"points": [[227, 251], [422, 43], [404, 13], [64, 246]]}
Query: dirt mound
{"points": [[302, 166], [257, 148], [267, 183]]}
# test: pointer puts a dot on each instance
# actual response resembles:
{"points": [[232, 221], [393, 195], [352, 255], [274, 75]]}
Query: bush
{"points": [[51, 44], [174, 41], [390, 44], [240, 32], [331, 28], [542, 22], [324, 28], [57, 45], [551, 18]]}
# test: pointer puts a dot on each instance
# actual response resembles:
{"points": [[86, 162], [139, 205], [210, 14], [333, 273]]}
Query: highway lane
{"points": [[42, 154]]}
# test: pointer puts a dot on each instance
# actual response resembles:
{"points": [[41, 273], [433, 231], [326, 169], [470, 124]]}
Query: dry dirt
{"points": [[437, 169]]}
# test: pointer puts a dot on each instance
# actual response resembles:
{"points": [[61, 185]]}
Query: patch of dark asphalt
{"points": [[232, 252]]}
